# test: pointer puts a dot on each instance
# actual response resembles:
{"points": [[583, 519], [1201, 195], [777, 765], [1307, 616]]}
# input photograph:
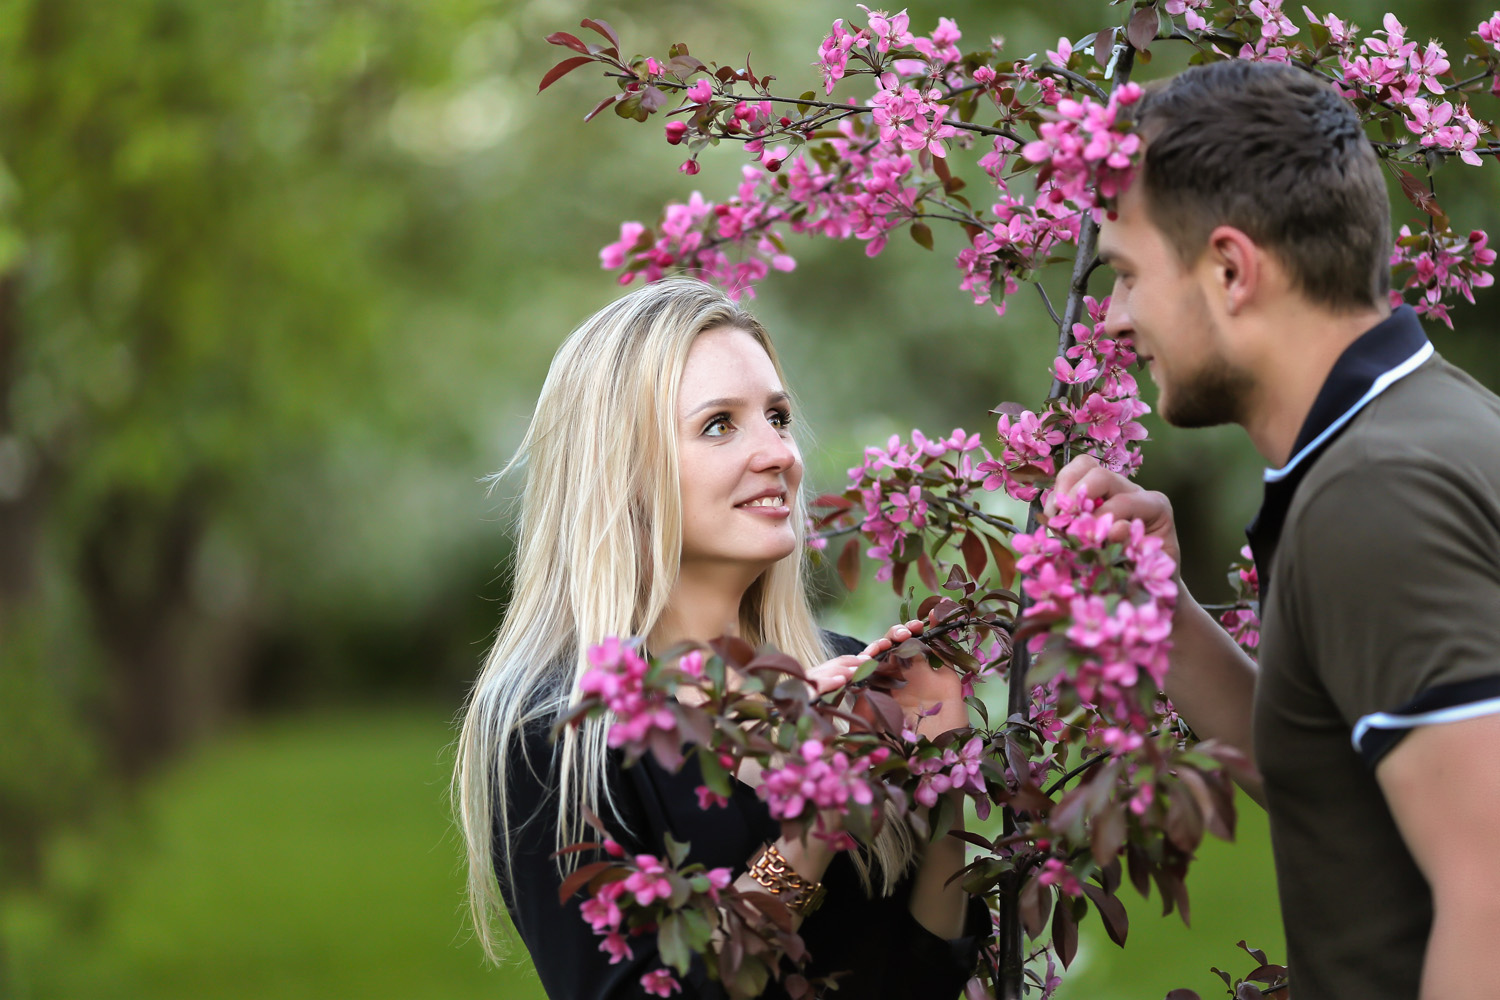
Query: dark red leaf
{"points": [[1184, 826], [1421, 195], [1036, 907], [561, 70], [1064, 933], [568, 41], [578, 879], [926, 572], [974, 557], [1108, 833], [601, 106], [834, 501], [1005, 561], [1104, 43], [603, 28], [849, 564], [1111, 912], [1142, 28], [575, 848], [898, 577], [886, 708]]}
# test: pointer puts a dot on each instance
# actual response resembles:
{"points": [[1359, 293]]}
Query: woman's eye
{"points": [[718, 426], [781, 419]]}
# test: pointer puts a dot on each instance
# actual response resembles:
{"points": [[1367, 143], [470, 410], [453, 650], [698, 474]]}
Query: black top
{"points": [[887, 952]]}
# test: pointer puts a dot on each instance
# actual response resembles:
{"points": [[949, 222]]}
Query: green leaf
{"points": [[676, 851], [672, 945], [922, 233]]}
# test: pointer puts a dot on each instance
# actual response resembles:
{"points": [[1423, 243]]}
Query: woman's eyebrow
{"points": [[731, 402]]}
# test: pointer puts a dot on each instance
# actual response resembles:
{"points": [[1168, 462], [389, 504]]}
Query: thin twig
{"points": [[987, 518], [1048, 303]]}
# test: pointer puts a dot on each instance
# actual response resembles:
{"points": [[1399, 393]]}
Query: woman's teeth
{"points": [[766, 502]]}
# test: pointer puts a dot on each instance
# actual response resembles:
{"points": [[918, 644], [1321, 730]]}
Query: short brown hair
{"points": [[1276, 152]]}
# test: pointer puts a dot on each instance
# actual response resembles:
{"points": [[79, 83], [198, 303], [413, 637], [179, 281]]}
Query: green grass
{"points": [[313, 858], [308, 858]]}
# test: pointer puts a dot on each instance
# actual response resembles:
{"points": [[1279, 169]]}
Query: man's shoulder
{"points": [[1438, 418]]}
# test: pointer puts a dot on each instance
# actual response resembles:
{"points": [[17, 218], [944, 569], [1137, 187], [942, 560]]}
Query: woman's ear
{"points": [[1238, 267]]}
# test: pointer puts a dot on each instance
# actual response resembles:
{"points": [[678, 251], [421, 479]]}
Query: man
{"points": [[1250, 260]]}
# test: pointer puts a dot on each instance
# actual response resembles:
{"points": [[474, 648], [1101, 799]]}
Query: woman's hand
{"points": [[925, 686], [828, 677]]}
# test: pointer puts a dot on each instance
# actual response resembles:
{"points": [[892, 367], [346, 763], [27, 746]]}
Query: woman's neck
{"points": [[703, 606]]}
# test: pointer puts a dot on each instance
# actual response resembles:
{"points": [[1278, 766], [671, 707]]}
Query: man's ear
{"points": [[1237, 267]]}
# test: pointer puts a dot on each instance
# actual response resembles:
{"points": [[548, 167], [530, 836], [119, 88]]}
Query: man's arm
{"points": [[1211, 681], [1442, 784]]}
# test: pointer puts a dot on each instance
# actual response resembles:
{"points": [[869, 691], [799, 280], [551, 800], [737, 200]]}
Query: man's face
{"points": [[1162, 306]]}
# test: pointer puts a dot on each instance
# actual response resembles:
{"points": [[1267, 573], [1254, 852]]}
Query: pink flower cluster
{"points": [[693, 236], [952, 770], [1442, 126], [895, 507], [618, 678], [1056, 872], [1439, 264], [1190, 8], [1086, 149], [647, 885], [821, 778], [1387, 66], [1110, 615], [1105, 423], [1243, 624]]}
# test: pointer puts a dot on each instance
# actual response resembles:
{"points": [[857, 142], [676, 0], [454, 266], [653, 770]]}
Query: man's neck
{"points": [[1301, 353]]}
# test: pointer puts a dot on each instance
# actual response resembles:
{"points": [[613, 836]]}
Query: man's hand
{"points": [[1122, 498], [1443, 789], [1211, 681]]}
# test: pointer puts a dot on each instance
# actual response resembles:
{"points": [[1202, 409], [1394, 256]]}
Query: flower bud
{"points": [[689, 167], [675, 132]]}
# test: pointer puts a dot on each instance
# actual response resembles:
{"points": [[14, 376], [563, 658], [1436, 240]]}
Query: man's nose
{"points": [[1117, 317]]}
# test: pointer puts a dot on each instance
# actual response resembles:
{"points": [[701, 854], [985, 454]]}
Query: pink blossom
{"points": [[1340, 33], [889, 30], [1062, 54], [701, 91], [1194, 20], [648, 882], [660, 983], [1054, 872], [1274, 24]]}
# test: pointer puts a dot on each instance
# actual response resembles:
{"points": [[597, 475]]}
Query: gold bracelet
{"points": [[773, 872]]}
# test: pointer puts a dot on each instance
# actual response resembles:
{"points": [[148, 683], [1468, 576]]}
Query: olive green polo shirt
{"points": [[1379, 548]]}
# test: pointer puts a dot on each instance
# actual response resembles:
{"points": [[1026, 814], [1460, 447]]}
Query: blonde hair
{"points": [[599, 540]]}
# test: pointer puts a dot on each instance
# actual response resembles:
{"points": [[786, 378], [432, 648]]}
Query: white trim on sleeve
{"points": [[1388, 720]]}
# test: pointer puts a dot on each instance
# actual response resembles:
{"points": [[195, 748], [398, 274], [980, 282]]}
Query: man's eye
{"points": [[718, 426]]}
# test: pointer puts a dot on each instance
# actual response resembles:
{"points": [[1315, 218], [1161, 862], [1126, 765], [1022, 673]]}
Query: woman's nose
{"points": [[774, 450]]}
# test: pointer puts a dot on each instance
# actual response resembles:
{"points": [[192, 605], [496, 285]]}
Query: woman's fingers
{"points": [[830, 676]]}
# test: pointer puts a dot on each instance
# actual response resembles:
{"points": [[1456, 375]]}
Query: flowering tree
{"points": [[1096, 775]]}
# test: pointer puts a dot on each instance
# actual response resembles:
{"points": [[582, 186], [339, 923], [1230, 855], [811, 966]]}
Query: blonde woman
{"points": [[663, 500]]}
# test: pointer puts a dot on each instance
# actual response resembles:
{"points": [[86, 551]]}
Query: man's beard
{"points": [[1214, 394]]}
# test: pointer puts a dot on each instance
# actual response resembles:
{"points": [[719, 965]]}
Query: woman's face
{"points": [[739, 467]]}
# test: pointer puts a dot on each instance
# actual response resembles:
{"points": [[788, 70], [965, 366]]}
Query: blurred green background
{"points": [[279, 280]]}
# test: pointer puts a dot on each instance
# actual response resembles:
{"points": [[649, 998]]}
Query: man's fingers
{"points": [[1071, 473]]}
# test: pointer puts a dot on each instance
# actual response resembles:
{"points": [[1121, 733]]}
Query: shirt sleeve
{"points": [[1397, 588], [564, 948]]}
